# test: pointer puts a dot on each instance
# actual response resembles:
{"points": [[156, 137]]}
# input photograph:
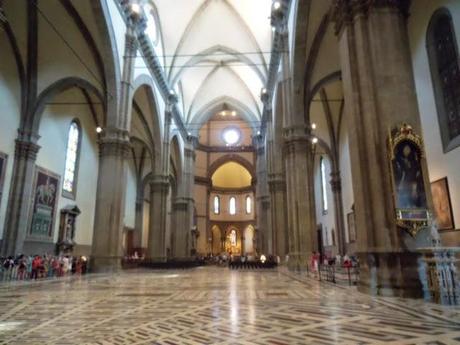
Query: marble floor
{"points": [[214, 306]]}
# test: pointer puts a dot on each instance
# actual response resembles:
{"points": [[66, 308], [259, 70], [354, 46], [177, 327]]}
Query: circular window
{"points": [[231, 136]]}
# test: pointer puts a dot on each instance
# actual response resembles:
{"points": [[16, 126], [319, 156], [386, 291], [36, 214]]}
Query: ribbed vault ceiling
{"points": [[214, 52]]}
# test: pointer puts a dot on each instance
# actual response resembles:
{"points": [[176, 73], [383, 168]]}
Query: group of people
{"points": [[345, 261], [23, 267]]}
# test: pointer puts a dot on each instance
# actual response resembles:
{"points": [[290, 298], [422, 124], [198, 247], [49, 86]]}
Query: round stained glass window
{"points": [[231, 136]]}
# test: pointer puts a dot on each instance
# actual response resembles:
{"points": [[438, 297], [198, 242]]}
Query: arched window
{"points": [[323, 184], [248, 205], [232, 206], [216, 205], [71, 160], [445, 72]]}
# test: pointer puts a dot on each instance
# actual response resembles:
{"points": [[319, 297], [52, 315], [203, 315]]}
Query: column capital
{"points": [[336, 182], [159, 183], [344, 11], [276, 183], [189, 153], [115, 142], [26, 150], [131, 42]]}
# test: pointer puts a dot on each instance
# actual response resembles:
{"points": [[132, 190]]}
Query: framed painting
{"points": [[44, 203], [3, 160], [351, 227], [442, 205], [407, 177]]}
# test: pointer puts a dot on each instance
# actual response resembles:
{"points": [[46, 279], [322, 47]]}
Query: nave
{"points": [[214, 306]]}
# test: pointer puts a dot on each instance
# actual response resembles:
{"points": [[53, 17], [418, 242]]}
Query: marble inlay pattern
{"points": [[214, 306]]}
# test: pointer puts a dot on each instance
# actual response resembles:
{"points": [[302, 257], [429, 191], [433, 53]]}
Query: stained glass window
{"points": [[73, 146], [232, 206], [248, 204], [445, 70], [216, 205], [323, 184]]}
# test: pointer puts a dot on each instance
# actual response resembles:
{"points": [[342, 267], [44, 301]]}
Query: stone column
{"points": [[115, 149], [379, 95], [107, 250], [159, 187], [184, 204], [262, 202], [277, 189], [21, 194], [298, 162]]}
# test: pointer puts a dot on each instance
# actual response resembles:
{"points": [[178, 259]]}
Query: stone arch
{"points": [[109, 52], [248, 238], [214, 106], [152, 128], [216, 239], [232, 158], [57, 88]]}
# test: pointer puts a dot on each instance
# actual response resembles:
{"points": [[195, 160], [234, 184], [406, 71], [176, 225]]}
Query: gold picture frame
{"points": [[442, 206], [406, 157]]}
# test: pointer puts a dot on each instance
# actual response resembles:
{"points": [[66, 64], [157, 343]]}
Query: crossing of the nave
{"points": [[229, 172]]}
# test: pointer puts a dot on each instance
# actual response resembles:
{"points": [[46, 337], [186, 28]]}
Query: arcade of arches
{"points": [[186, 129]]}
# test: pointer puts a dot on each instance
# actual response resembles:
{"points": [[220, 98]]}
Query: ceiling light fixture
{"points": [[136, 8], [314, 140], [313, 126], [276, 5], [233, 113], [98, 129]]}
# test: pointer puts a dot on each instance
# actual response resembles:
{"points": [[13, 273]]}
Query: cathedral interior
{"points": [[230, 172]]}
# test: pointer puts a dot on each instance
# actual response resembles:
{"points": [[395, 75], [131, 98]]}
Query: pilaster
{"points": [[184, 205], [159, 186], [21, 194], [379, 94], [114, 150], [301, 220]]}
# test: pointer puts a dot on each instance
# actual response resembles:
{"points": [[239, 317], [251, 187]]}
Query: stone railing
{"points": [[439, 272]]}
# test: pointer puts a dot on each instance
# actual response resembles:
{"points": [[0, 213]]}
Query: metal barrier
{"points": [[338, 274]]}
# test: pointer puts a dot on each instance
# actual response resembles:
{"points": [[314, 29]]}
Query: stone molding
{"points": [[345, 11], [26, 150], [276, 184], [131, 43], [159, 183], [336, 182]]}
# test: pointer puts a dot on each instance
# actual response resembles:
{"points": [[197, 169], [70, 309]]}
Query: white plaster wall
{"points": [[9, 117], [345, 173], [119, 29], [439, 164], [327, 220], [60, 60], [130, 196], [54, 129]]}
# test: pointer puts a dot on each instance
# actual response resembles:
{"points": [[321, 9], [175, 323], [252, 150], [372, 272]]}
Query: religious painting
{"points": [[46, 185], [406, 154], [408, 177], [442, 205], [232, 244], [351, 227], [3, 159]]}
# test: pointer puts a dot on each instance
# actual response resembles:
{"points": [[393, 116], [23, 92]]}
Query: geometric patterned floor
{"points": [[214, 306]]}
